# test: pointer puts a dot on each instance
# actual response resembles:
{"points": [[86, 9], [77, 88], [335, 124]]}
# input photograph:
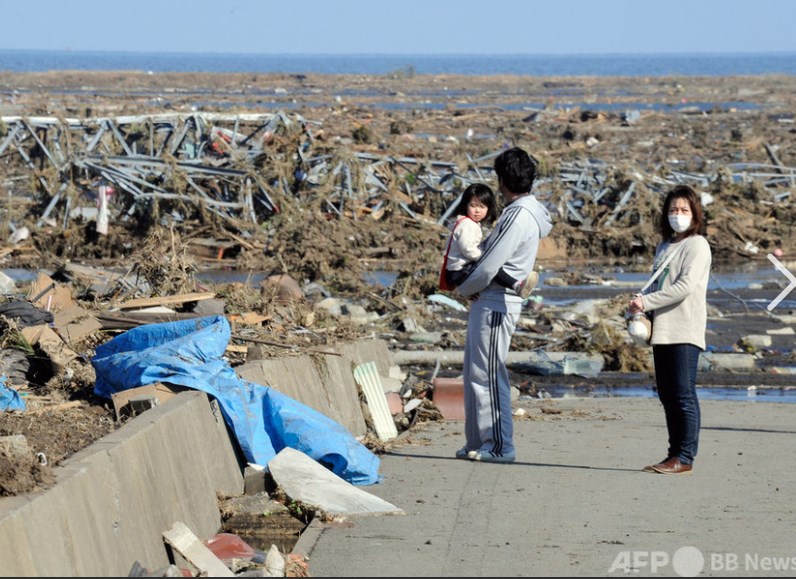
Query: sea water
{"points": [[642, 65]]}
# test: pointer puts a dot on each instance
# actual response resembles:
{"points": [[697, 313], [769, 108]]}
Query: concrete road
{"points": [[576, 502]]}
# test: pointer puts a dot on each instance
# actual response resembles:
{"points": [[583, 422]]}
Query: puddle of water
{"points": [[746, 275], [263, 541], [287, 101], [380, 278], [222, 276], [774, 394], [21, 275]]}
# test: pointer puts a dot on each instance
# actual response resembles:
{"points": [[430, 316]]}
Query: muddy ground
{"points": [[698, 126]]}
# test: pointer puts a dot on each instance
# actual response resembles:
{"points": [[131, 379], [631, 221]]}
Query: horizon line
{"points": [[399, 54]]}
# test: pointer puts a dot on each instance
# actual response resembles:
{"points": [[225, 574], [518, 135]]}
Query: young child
{"points": [[477, 205]]}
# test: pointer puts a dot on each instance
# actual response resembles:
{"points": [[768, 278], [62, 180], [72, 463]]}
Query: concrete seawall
{"points": [[113, 501]]}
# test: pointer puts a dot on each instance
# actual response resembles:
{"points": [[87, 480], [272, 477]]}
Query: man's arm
{"points": [[499, 247]]}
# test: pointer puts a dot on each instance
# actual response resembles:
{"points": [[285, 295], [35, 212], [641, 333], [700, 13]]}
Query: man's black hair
{"points": [[516, 170]]}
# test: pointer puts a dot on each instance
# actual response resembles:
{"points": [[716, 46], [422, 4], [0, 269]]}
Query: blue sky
{"points": [[402, 26]]}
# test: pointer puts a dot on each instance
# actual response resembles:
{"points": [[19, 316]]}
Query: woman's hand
{"points": [[636, 305]]}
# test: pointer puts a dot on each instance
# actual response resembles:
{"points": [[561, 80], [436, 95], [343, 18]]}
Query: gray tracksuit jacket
{"points": [[512, 245]]}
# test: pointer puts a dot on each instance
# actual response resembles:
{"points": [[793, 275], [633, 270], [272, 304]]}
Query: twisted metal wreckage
{"points": [[238, 167], [217, 163]]}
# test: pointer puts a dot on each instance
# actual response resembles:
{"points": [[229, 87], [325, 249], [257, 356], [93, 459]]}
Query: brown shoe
{"points": [[672, 466], [651, 467]]}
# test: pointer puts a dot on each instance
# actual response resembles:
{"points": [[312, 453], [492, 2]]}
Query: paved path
{"points": [[576, 501]]}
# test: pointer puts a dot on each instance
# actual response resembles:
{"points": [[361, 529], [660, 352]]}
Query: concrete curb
{"points": [[308, 538], [114, 499]]}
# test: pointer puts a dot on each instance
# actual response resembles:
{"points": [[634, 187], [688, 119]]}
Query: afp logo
{"points": [[686, 561]]}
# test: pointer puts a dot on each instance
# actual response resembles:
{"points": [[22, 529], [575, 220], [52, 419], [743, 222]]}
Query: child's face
{"points": [[476, 210]]}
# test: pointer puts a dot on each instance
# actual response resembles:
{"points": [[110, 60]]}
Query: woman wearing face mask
{"points": [[678, 301]]}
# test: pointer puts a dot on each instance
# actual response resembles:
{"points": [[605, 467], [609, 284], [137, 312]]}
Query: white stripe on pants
{"points": [[488, 423]]}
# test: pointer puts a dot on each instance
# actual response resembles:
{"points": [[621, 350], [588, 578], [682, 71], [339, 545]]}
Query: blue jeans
{"points": [[675, 375]]}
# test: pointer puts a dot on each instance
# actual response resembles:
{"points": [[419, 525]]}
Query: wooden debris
{"points": [[55, 407], [281, 345], [180, 538], [165, 300]]}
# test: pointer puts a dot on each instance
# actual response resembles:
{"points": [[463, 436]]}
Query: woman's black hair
{"points": [[697, 215], [485, 195]]}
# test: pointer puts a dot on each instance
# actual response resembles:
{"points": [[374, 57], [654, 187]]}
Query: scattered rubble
{"points": [[118, 206]]}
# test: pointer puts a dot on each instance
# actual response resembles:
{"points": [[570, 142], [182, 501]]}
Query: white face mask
{"points": [[679, 222]]}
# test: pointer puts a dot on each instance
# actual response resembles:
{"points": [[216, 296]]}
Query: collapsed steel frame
{"points": [[208, 163], [202, 160]]}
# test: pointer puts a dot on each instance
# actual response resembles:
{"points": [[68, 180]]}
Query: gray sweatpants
{"points": [[488, 423]]}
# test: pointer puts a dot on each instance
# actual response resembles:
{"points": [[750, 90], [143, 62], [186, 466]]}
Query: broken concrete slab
{"points": [[367, 350], [728, 361], [304, 479], [757, 340], [299, 377], [162, 393], [786, 331], [14, 445]]}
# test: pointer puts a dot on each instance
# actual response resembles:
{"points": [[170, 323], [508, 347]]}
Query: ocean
{"points": [[641, 65]]}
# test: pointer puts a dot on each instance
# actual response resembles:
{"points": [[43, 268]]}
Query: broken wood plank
{"points": [[279, 345], [117, 321], [165, 300], [307, 481], [181, 538], [55, 407], [243, 242]]}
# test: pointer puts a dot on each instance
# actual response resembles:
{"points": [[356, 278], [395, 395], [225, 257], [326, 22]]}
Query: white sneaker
{"points": [[526, 287], [465, 454], [484, 456]]}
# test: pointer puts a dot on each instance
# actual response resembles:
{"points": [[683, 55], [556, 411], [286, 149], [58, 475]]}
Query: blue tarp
{"points": [[190, 353], [10, 398]]}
